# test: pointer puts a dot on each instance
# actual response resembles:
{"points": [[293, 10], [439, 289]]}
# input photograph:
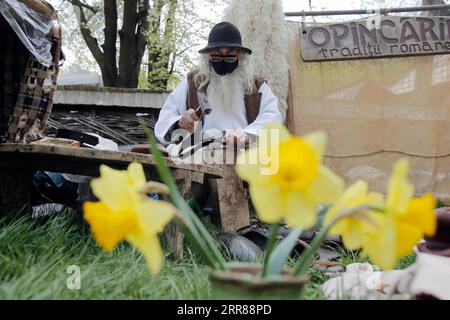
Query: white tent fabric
{"points": [[263, 30]]}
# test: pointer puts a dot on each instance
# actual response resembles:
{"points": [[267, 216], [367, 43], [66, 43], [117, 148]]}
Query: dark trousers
{"points": [[200, 193]]}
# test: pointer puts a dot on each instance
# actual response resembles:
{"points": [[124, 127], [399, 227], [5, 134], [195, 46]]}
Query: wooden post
{"points": [[233, 203], [174, 235], [231, 206]]}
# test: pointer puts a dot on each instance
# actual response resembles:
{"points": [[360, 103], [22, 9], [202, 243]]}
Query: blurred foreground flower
{"points": [[356, 227], [385, 229], [286, 176], [407, 220], [125, 212]]}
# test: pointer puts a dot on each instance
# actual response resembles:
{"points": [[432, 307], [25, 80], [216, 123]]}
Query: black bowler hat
{"points": [[224, 34]]}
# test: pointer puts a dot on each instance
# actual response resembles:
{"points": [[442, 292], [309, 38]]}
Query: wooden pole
{"points": [[366, 11]]}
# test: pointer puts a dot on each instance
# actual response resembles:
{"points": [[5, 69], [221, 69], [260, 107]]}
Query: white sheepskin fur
{"points": [[264, 30]]}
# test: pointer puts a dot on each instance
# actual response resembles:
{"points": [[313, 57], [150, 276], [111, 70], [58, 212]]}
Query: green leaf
{"points": [[282, 252], [195, 230], [307, 257], [270, 245], [321, 215]]}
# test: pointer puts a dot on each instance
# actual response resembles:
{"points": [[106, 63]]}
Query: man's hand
{"points": [[238, 137], [188, 119]]}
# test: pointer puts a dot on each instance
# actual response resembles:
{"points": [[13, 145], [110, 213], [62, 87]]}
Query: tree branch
{"points": [[90, 40], [186, 49], [172, 63], [82, 4]]}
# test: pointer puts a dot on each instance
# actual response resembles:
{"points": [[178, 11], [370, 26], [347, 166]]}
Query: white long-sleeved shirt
{"points": [[234, 118]]}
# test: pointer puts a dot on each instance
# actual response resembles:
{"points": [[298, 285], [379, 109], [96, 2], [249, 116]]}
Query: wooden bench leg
{"points": [[175, 236], [15, 191], [233, 208]]}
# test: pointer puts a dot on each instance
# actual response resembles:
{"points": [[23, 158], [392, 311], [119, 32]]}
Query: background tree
{"points": [[175, 31], [121, 34], [120, 68]]}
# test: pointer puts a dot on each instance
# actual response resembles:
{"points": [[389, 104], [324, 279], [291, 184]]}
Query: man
{"points": [[240, 102]]}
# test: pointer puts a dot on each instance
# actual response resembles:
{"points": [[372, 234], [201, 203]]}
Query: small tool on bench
{"points": [[85, 139]]}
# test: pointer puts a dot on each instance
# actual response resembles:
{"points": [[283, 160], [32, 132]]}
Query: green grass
{"points": [[35, 255]]}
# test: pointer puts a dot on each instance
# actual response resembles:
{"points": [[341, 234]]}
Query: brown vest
{"points": [[252, 101]]}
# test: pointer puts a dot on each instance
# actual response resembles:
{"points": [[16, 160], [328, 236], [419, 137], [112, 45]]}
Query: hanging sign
{"points": [[376, 37]]}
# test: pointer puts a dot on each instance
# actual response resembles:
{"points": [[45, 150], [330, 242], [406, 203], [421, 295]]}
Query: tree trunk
{"points": [[109, 70], [127, 58], [133, 40]]}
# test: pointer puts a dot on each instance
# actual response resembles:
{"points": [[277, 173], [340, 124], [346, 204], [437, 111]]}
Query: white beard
{"points": [[225, 91]]}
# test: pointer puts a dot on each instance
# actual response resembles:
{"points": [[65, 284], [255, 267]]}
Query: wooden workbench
{"points": [[18, 162], [86, 161]]}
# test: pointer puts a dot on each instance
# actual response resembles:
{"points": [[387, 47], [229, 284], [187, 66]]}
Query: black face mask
{"points": [[223, 68]]}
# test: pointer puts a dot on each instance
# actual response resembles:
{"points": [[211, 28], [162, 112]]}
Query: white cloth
{"points": [[430, 275], [235, 118]]}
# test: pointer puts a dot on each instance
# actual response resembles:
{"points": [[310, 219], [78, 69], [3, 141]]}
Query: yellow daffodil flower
{"points": [[125, 213], [356, 227], [286, 177], [407, 220]]}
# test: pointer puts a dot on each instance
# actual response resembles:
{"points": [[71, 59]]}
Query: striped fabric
{"points": [[12, 68], [34, 99]]}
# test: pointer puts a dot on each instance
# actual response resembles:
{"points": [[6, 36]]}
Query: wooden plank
{"points": [[85, 161], [232, 207], [233, 203], [290, 120]]}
